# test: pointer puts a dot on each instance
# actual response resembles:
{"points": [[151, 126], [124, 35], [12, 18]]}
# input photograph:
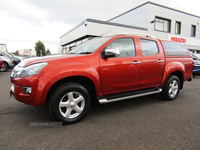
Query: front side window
{"points": [[162, 24], [126, 47], [149, 47]]}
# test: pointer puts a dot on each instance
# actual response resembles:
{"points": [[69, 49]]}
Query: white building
{"points": [[149, 18], [3, 48], [27, 52]]}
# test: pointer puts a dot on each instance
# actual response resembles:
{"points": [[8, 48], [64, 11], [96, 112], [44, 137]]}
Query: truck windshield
{"points": [[89, 46]]}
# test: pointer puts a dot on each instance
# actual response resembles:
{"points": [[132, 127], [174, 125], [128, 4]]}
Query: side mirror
{"points": [[114, 52]]}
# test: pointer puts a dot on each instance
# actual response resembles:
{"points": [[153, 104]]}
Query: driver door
{"points": [[121, 73]]}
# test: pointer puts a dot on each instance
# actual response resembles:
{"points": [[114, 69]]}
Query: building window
{"points": [[178, 28], [193, 31], [162, 24]]}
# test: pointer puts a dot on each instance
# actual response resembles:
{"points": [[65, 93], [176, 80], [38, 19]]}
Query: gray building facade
{"points": [[149, 18]]}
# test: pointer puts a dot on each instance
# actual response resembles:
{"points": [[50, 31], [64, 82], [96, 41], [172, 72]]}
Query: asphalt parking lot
{"points": [[140, 124]]}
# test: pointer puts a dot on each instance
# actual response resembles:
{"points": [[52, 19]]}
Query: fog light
{"points": [[26, 90]]}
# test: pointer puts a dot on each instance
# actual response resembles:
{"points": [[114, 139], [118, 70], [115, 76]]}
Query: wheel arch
{"points": [[179, 74], [6, 63], [84, 81], [174, 68]]}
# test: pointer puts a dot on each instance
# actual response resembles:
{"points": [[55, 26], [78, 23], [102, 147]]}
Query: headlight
{"points": [[32, 69], [16, 71]]}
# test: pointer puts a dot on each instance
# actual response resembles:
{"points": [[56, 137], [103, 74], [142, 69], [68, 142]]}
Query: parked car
{"points": [[12, 58], [20, 58], [196, 69], [104, 70], [7, 63], [1, 63]]}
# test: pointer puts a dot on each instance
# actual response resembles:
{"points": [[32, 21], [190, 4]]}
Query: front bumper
{"points": [[196, 70], [16, 89], [37, 83], [11, 65]]}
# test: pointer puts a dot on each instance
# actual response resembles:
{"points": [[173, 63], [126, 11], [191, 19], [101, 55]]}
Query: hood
{"points": [[5, 58], [34, 60]]}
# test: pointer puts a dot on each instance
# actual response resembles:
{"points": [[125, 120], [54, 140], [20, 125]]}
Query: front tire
{"points": [[5, 67], [171, 88], [69, 103]]}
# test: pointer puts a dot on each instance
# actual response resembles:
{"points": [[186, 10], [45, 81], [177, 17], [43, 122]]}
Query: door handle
{"points": [[159, 61], [136, 62]]}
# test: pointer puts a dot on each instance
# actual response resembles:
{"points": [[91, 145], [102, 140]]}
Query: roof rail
{"points": [[137, 34]]}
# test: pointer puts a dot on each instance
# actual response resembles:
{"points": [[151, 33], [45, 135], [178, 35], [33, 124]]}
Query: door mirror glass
{"points": [[114, 52]]}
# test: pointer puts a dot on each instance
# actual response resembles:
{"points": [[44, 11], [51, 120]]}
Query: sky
{"points": [[24, 22]]}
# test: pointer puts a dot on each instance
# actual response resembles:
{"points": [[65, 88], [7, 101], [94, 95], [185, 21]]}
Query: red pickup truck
{"points": [[104, 69]]}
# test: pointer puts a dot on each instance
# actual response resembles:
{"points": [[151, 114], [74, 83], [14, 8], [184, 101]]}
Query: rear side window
{"points": [[175, 49], [149, 47]]}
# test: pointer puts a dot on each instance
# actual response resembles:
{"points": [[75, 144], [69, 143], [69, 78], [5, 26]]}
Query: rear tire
{"points": [[69, 103], [171, 88]]}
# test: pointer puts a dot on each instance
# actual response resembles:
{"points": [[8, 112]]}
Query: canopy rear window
{"points": [[175, 49]]}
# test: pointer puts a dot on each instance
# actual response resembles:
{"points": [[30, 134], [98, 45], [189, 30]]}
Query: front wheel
{"points": [[5, 67], [171, 88], [69, 103]]}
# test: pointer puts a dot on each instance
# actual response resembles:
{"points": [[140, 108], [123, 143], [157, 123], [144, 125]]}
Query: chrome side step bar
{"points": [[103, 100]]}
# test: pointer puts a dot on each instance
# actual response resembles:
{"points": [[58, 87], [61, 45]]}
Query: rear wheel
{"points": [[171, 88], [69, 103], [5, 67]]}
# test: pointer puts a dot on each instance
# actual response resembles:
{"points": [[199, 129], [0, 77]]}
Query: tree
{"points": [[48, 52], [16, 53], [38, 47]]}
